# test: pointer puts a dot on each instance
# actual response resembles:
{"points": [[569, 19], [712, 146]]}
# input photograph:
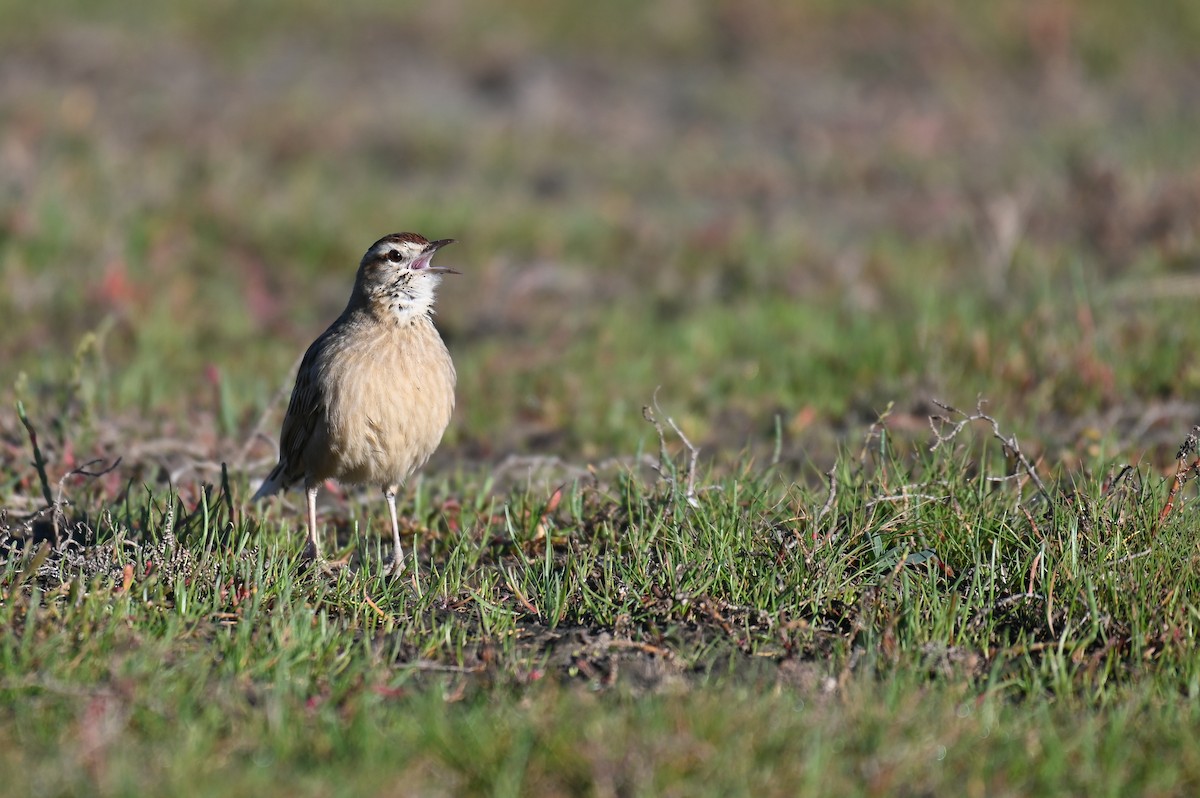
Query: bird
{"points": [[374, 393]]}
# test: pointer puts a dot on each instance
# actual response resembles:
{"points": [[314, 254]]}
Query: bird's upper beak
{"points": [[432, 247]]}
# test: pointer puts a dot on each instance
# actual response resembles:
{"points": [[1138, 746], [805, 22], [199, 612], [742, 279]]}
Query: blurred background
{"points": [[788, 215]]}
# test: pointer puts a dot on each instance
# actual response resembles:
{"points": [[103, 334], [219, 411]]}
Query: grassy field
{"points": [[707, 520]]}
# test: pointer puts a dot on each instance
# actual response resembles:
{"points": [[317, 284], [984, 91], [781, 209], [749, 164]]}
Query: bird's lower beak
{"points": [[433, 247]]}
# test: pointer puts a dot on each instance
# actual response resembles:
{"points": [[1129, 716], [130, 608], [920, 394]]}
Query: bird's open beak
{"points": [[431, 248]]}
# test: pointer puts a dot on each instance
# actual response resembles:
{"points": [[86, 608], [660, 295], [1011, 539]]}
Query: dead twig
{"points": [[1113, 483], [938, 423], [227, 493], [438, 667], [1182, 469], [84, 471], [1032, 524], [665, 468], [645, 648], [830, 501], [877, 428], [1137, 555], [257, 432], [39, 462], [1000, 604], [52, 505], [904, 497]]}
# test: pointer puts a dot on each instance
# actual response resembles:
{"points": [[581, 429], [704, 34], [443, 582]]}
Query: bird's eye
{"points": [[394, 256]]}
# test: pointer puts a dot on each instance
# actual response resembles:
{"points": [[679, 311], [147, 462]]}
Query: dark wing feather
{"points": [[304, 411]]}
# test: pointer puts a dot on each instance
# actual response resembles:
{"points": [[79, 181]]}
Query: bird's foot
{"points": [[314, 558], [396, 566]]}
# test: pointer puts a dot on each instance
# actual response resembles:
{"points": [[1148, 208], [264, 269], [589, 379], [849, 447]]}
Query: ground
{"points": [[826, 377]]}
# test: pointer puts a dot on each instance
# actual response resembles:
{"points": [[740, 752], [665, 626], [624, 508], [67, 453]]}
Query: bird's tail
{"points": [[272, 484]]}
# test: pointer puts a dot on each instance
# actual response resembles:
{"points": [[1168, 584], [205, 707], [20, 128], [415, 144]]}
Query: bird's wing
{"points": [[304, 411]]}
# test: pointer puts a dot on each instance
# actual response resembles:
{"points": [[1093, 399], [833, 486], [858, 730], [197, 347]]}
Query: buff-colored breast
{"points": [[388, 391]]}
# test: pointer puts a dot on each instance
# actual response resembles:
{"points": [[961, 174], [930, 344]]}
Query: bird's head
{"points": [[396, 277]]}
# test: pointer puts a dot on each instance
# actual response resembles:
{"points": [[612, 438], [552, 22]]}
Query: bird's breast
{"points": [[389, 396]]}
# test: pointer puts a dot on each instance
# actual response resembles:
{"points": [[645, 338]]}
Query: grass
{"points": [[613, 633], [790, 229]]}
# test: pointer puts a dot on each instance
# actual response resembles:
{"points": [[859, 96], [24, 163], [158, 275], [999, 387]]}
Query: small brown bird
{"points": [[375, 391]]}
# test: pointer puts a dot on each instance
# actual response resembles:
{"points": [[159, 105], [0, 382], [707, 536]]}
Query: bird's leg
{"points": [[389, 493], [313, 550]]}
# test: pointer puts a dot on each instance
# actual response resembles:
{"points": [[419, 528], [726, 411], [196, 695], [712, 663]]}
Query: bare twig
{"points": [[227, 492], [83, 470], [1137, 555], [830, 500], [903, 497], [55, 506], [371, 603], [1111, 485], [438, 667], [874, 431], [651, 413], [257, 432], [1032, 524], [39, 462], [1003, 603], [1010, 443], [1190, 444]]}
